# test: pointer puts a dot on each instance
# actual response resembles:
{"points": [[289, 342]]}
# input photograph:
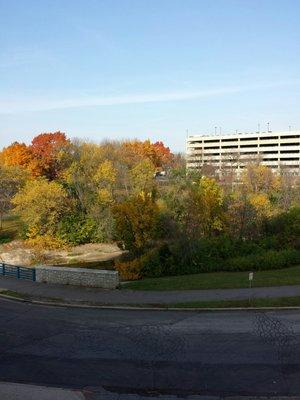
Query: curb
{"points": [[142, 308]]}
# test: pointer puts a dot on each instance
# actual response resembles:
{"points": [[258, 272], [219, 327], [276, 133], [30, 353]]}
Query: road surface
{"points": [[151, 352]]}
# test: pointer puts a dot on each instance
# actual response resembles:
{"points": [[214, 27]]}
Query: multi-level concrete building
{"points": [[278, 150]]}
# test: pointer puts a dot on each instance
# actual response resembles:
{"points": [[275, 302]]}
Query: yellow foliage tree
{"points": [[205, 209], [260, 178], [261, 204], [142, 176], [105, 178], [136, 221], [41, 204]]}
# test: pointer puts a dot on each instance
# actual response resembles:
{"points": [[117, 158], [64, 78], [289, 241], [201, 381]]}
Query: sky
{"points": [[157, 69]]}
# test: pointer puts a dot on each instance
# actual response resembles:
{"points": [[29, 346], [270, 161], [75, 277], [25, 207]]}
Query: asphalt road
{"points": [[162, 352]]}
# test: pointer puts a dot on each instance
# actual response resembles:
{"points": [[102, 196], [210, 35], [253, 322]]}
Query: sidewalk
{"points": [[20, 391], [127, 297]]}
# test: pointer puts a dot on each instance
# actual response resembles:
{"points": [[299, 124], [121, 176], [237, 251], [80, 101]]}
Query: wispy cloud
{"points": [[13, 106]]}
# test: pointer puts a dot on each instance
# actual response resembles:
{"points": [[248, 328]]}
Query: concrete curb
{"points": [[141, 308]]}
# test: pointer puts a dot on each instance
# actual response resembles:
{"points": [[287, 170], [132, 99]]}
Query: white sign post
{"points": [[250, 285], [250, 279]]}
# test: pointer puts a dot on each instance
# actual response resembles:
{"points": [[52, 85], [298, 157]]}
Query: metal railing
{"points": [[14, 271]]}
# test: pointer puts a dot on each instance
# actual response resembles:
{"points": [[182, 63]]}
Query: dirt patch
{"points": [[16, 253]]}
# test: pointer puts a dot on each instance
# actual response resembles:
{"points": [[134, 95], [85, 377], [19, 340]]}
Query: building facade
{"points": [[277, 150]]}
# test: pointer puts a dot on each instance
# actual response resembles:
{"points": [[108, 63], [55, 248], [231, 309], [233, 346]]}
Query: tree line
{"points": [[70, 192]]}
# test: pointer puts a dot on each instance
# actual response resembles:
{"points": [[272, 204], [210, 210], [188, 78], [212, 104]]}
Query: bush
{"points": [[184, 258], [129, 270], [5, 239], [221, 253], [271, 259], [77, 229], [46, 242], [286, 227], [157, 262]]}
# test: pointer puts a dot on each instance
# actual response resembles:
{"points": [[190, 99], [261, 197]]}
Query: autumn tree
{"points": [[46, 156], [241, 215], [136, 221], [20, 155], [253, 201], [49, 150], [157, 153], [260, 178], [41, 204], [142, 176], [163, 155], [91, 181], [205, 214], [11, 180], [174, 201]]}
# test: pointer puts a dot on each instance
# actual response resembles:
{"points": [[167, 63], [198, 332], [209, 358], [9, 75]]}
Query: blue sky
{"points": [[147, 68]]}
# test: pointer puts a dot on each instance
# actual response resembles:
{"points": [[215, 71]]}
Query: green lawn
{"points": [[261, 302], [219, 280], [11, 228]]}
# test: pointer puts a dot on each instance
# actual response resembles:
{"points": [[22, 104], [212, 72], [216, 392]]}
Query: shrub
{"points": [[269, 243], [157, 262], [187, 256], [77, 229], [129, 270], [270, 259], [286, 227], [46, 242], [183, 258], [5, 239]]}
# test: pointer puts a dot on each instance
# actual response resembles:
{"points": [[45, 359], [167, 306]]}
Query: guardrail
{"points": [[18, 272]]}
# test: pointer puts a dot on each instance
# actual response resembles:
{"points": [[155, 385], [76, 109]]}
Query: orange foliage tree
{"points": [[48, 149], [163, 154], [42, 158], [17, 154], [160, 155]]}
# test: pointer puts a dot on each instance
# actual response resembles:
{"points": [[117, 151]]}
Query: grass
{"points": [[11, 228], [11, 293], [219, 280], [260, 302], [25, 296]]}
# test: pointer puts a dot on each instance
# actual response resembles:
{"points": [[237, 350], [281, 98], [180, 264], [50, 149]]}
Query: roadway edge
{"points": [[144, 308]]}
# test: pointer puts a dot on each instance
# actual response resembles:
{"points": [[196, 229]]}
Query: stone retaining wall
{"points": [[78, 276]]}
